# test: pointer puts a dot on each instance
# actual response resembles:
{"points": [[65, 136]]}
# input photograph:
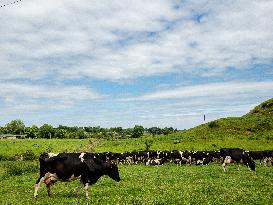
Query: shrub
{"points": [[253, 137], [269, 137], [213, 124], [148, 144], [6, 158], [19, 168], [89, 147], [29, 155]]}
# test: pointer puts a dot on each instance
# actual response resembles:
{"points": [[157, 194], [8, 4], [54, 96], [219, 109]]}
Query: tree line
{"points": [[47, 131]]}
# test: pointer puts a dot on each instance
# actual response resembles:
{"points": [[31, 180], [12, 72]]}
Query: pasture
{"points": [[14, 147], [166, 184], [140, 184]]}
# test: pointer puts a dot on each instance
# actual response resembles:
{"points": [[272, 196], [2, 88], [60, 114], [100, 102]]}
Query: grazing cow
{"points": [[215, 155], [199, 157], [155, 162], [231, 155], [70, 166], [257, 155], [181, 157], [268, 157]]}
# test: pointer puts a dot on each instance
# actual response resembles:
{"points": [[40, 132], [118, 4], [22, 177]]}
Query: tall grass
{"points": [[20, 167]]}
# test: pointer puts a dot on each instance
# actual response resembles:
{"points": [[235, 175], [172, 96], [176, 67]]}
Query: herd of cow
{"points": [[89, 167], [225, 155]]}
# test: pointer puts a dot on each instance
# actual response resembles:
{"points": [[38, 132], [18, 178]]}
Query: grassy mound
{"points": [[257, 124], [265, 108]]}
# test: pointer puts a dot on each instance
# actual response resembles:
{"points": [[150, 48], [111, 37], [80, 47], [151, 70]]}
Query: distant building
{"points": [[10, 136]]}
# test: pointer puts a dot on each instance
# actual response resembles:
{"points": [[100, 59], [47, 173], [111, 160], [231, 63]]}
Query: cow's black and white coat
{"points": [[70, 166], [155, 161], [231, 155]]}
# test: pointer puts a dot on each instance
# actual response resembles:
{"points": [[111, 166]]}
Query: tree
{"points": [[16, 127], [155, 131], [32, 132], [138, 131], [80, 134], [168, 130], [61, 133], [3, 130], [46, 131]]}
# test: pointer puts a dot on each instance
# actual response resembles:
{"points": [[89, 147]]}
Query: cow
{"points": [[215, 155], [257, 155], [231, 155], [71, 166], [155, 161], [199, 157], [268, 157], [180, 157]]}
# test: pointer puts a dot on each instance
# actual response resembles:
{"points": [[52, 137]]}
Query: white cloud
{"points": [[110, 39], [19, 97], [212, 90]]}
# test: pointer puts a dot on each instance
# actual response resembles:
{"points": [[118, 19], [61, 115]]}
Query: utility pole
{"points": [[204, 132]]}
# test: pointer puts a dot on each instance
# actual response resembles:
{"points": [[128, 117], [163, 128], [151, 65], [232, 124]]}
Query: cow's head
{"points": [[207, 160], [251, 164], [113, 172]]}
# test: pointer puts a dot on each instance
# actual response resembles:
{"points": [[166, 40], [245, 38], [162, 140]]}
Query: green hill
{"points": [[265, 108], [257, 124]]}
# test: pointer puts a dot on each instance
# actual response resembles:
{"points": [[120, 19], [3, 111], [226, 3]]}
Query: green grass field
{"points": [[166, 184], [10, 148]]}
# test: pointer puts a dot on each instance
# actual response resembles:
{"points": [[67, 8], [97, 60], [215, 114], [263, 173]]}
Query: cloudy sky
{"points": [[122, 62]]}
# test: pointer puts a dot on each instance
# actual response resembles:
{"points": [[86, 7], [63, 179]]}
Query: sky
{"points": [[115, 63]]}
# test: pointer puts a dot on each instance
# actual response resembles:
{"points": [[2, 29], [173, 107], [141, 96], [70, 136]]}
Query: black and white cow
{"points": [[201, 157], [155, 161], [231, 155], [257, 155], [70, 166], [181, 157], [215, 155], [268, 157]]}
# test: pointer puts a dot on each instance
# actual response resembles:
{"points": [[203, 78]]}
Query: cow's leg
{"points": [[269, 161], [48, 190], [238, 168], [37, 186], [249, 168], [86, 190], [265, 161], [224, 167]]}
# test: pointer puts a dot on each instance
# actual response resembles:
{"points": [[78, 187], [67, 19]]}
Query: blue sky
{"points": [[121, 63]]}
